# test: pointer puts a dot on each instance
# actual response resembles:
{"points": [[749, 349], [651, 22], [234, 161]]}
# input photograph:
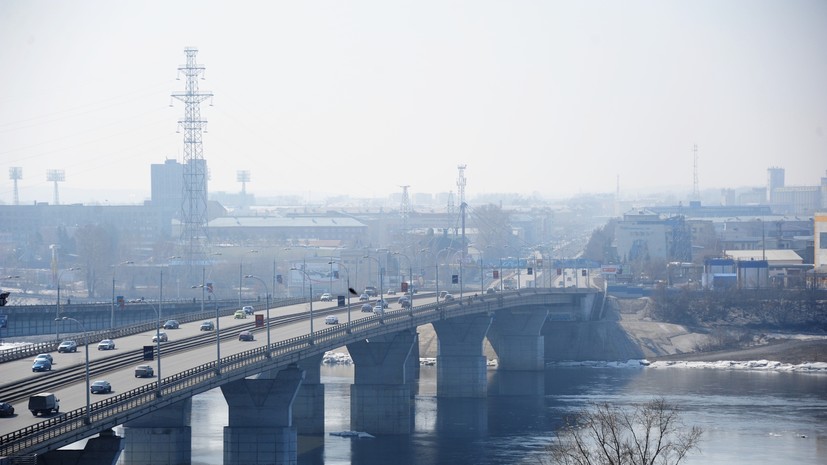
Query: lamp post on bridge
{"points": [[381, 293], [267, 300], [87, 419], [57, 316], [436, 269], [348, 292], [310, 282], [410, 280], [203, 287]]}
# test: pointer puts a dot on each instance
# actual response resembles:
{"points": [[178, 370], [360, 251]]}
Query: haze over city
{"points": [[359, 98]]}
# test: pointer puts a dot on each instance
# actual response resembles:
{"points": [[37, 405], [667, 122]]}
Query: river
{"points": [[748, 416]]}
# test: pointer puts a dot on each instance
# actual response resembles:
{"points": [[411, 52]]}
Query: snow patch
{"points": [[755, 365]]}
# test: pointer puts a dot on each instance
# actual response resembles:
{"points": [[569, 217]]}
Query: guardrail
{"points": [[72, 426]]}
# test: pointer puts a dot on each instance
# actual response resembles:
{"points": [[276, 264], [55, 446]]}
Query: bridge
{"points": [[274, 391]]}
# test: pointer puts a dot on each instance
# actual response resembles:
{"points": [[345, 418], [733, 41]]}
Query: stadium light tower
{"points": [[243, 176], [56, 176], [15, 174]]}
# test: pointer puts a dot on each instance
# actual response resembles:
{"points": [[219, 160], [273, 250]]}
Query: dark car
{"points": [[245, 336], [367, 308], [405, 302], [171, 324], [41, 364], [6, 409], [207, 326]]}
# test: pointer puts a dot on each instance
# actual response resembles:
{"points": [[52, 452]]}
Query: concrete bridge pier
{"points": [[380, 397], [163, 437], [516, 336], [260, 429], [308, 407], [460, 364], [412, 367]]}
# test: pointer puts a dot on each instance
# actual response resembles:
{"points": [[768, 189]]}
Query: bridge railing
{"points": [[121, 408]]}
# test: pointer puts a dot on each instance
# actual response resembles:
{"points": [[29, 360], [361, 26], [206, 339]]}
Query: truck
{"points": [[44, 403]]}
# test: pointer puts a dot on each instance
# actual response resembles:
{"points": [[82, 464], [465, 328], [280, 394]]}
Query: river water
{"points": [[748, 416]]}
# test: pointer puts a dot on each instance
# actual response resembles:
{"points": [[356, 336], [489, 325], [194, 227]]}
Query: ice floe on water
{"points": [[764, 365]]}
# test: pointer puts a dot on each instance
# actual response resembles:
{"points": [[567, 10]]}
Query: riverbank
{"points": [[628, 333], [669, 342]]}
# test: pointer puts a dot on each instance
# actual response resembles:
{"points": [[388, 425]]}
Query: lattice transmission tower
{"points": [[194, 241]]}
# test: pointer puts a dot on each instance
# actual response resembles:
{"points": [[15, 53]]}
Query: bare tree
{"points": [[648, 434]]}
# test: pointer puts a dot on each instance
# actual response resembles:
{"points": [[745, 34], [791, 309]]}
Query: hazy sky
{"points": [[362, 97]]}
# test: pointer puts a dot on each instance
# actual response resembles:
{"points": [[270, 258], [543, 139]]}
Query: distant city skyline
{"points": [[548, 99]]}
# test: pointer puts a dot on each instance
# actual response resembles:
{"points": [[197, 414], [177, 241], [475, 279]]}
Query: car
{"points": [[207, 326], [491, 290], [171, 324], [331, 320], [106, 344], [67, 346], [384, 303], [380, 310], [41, 364], [100, 386], [448, 296], [248, 309], [44, 356], [364, 297], [325, 297], [6, 409], [404, 301], [160, 337], [240, 314], [246, 336], [144, 371], [391, 292], [371, 291], [367, 308]]}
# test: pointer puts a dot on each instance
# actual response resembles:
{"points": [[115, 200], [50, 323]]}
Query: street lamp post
{"points": [[347, 270], [157, 341], [381, 292], [310, 283], [410, 279], [112, 315], [57, 316], [437, 269], [87, 419], [267, 303], [203, 286]]}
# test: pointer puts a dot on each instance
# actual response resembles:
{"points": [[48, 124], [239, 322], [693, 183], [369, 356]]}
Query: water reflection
{"points": [[750, 417]]}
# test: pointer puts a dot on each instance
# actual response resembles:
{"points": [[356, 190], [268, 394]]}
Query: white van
{"points": [[331, 320]]}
